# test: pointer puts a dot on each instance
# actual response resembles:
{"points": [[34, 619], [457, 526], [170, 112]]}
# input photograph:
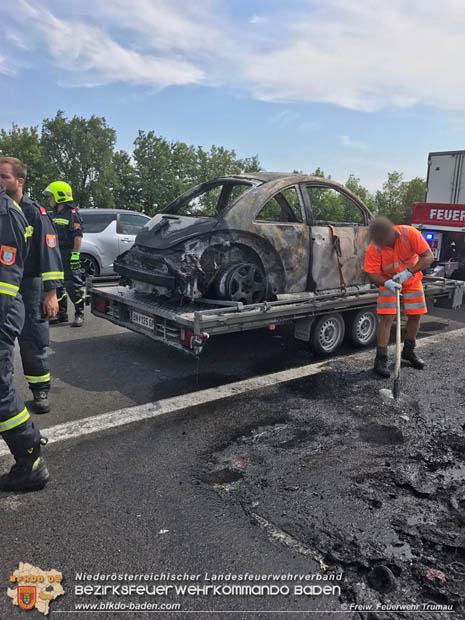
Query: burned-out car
{"points": [[249, 238]]}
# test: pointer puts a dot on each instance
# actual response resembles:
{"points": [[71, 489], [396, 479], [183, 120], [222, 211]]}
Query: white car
{"points": [[107, 233]]}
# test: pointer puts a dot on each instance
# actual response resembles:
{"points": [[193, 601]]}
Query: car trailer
{"points": [[320, 318]]}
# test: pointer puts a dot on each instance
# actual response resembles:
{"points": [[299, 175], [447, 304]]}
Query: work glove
{"points": [[75, 262], [403, 276], [393, 286]]}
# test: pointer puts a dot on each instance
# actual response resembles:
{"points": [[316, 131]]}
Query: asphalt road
{"points": [[101, 367], [153, 496]]}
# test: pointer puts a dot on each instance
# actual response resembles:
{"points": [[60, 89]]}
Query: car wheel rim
{"points": [[329, 334], [365, 327], [88, 265], [246, 283]]}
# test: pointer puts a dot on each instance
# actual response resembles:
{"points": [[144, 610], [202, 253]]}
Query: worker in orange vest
{"points": [[394, 261]]}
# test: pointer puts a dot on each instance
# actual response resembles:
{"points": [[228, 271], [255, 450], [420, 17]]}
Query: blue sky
{"points": [[352, 86]]}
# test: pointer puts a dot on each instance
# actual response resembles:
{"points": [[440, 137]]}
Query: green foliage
{"points": [[24, 143], [396, 198], [81, 151], [126, 193]]}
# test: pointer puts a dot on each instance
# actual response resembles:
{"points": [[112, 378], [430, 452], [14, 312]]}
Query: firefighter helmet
{"points": [[60, 190]]}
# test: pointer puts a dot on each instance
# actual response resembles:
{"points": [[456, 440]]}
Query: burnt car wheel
{"points": [[243, 282], [363, 325], [328, 334]]}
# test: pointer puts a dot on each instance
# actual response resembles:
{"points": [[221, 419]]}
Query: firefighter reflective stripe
{"points": [[42, 379], [15, 421], [415, 306], [52, 275], [79, 301], [404, 234], [385, 293], [8, 289], [387, 304], [62, 296], [412, 295], [61, 220]]}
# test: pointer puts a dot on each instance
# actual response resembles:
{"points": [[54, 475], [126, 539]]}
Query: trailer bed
{"points": [[188, 326]]}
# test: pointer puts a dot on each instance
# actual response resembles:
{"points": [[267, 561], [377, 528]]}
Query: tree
{"points": [[396, 198], [24, 143], [81, 151], [126, 190]]}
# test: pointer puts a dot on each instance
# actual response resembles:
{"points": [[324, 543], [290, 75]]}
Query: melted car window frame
{"points": [[222, 204]]}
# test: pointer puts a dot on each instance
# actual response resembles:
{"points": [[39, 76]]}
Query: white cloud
{"points": [[359, 54], [93, 58], [353, 144], [284, 118], [366, 55], [16, 38], [6, 66]]}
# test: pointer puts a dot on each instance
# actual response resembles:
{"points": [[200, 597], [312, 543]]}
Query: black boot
{"points": [[409, 355], [40, 403], [381, 363], [78, 320], [28, 473]]}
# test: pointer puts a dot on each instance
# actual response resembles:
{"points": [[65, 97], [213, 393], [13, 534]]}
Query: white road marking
{"points": [[129, 415]]}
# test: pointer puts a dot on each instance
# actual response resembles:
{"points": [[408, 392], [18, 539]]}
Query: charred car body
{"points": [[249, 238]]}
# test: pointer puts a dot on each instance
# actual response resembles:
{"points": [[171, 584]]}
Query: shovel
{"points": [[395, 396]]}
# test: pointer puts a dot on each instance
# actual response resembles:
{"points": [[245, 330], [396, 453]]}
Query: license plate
{"points": [[142, 319]]}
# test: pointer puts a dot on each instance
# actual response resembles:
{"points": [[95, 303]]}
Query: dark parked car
{"points": [[251, 237]]}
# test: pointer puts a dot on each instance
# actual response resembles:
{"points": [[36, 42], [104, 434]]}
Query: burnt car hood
{"points": [[166, 231]]}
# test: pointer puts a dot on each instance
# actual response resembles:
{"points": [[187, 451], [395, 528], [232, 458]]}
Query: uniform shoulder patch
{"points": [[51, 241], [73, 210], [7, 255], [43, 211]]}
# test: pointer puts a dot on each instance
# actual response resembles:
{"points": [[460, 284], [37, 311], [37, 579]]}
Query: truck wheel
{"points": [[362, 326], [328, 334]]}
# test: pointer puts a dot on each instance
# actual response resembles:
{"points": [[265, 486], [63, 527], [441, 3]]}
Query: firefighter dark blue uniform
{"points": [[43, 271], [16, 427], [68, 224]]}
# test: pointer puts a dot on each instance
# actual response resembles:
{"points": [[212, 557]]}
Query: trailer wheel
{"points": [[363, 325], [328, 334]]}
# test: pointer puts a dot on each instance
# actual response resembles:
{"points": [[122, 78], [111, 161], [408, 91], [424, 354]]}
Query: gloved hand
{"points": [[403, 276], [393, 286], [75, 262]]}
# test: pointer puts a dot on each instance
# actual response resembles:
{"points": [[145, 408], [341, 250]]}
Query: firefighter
{"points": [[43, 274], [69, 228], [394, 262], [16, 427]]}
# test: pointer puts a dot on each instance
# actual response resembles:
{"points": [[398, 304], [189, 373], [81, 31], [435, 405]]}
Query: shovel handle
{"points": [[397, 367]]}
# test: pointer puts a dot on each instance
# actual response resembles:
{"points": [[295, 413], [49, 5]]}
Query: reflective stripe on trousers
{"points": [[412, 302]]}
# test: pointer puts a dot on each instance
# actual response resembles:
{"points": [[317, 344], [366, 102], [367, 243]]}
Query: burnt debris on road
{"points": [[367, 490]]}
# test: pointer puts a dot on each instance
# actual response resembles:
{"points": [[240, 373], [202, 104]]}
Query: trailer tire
{"points": [[327, 334], [362, 326]]}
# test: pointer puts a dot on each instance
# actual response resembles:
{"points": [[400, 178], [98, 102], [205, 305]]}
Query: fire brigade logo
{"points": [[34, 588], [7, 255], [27, 596], [76, 226], [51, 241]]}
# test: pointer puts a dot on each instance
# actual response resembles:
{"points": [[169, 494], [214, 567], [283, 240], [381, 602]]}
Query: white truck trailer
{"points": [[441, 218]]}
